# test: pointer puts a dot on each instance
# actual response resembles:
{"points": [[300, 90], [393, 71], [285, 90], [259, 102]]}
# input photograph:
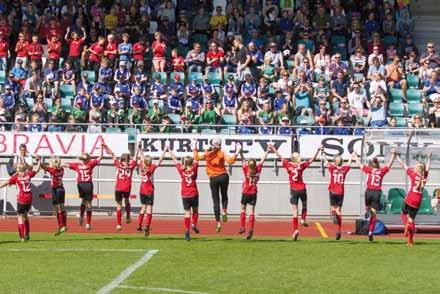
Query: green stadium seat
{"points": [[67, 91], [197, 76], [396, 95], [290, 64], [413, 81], [30, 102], [91, 76], [229, 119], [200, 38], [163, 77], [396, 205], [382, 207], [402, 122], [208, 131], [425, 206], [183, 50], [2, 77], [389, 40], [214, 78], [396, 109], [415, 108], [396, 193], [66, 102], [228, 131], [113, 130], [181, 74], [161, 103], [174, 118], [413, 95], [131, 134], [48, 101], [305, 120]]}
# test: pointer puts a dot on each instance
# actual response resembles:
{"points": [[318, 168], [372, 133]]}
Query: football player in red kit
{"points": [[338, 173], [295, 169], [251, 172], [58, 193], [84, 173], [22, 180], [125, 166], [375, 174], [418, 177], [147, 169], [188, 190]]}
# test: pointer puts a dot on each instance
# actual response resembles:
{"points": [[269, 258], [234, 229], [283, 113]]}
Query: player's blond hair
{"points": [[84, 157], [125, 157], [188, 161], [420, 167], [338, 160], [296, 157], [252, 168], [21, 167], [55, 162]]}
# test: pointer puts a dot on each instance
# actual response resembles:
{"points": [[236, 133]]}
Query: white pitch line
{"points": [[127, 272], [71, 250], [161, 290]]}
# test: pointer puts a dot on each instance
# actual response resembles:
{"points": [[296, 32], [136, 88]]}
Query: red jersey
{"points": [[178, 63], [295, 171], [124, 175], [113, 46], [414, 196], [84, 171], [147, 184], [21, 48], [188, 186], [75, 47], [337, 178], [99, 49], [36, 50], [54, 49], [219, 54], [139, 51], [56, 176], [375, 177], [4, 47], [159, 49], [23, 184], [249, 186]]}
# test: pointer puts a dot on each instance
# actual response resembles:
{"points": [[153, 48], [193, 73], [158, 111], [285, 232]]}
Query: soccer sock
{"points": [[339, 217], [187, 222], [27, 227], [127, 209], [404, 218], [21, 230], [148, 219], [140, 219], [295, 223], [64, 213], [304, 214], [60, 219], [82, 209], [242, 219], [195, 218], [411, 230], [225, 210], [118, 216], [251, 222], [89, 217], [372, 223]]}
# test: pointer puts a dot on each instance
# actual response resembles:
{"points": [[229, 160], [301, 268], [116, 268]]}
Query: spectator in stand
{"points": [[195, 59], [4, 51], [218, 18], [431, 87], [215, 59], [54, 49], [434, 112], [407, 47], [244, 58], [96, 51], [125, 50], [21, 50], [75, 43], [159, 48], [35, 50], [337, 66], [375, 54], [200, 22], [68, 75], [111, 50], [339, 87], [396, 76], [431, 56], [358, 101], [375, 67], [377, 115]]}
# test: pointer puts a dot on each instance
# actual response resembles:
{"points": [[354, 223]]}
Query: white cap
{"points": [[216, 141]]}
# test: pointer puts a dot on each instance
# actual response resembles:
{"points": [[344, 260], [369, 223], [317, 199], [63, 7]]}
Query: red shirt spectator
{"points": [[75, 43], [177, 61], [54, 30], [21, 46], [4, 46], [215, 57], [111, 49], [159, 47], [139, 49], [5, 28], [54, 47], [96, 50], [35, 50]]}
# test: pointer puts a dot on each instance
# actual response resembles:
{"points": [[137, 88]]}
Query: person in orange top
{"points": [[218, 176]]}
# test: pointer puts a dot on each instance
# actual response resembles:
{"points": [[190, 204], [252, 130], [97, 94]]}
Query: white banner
{"points": [[379, 147], [61, 144], [254, 146]]}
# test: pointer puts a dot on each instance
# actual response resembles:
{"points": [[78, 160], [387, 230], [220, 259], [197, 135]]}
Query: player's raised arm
{"points": [[233, 158], [272, 147], [324, 157], [197, 156], [357, 159], [101, 154], [138, 151], [428, 163], [110, 152], [393, 156], [38, 167], [350, 161], [173, 157], [401, 162], [162, 156], [320, 148], [263, 159]]}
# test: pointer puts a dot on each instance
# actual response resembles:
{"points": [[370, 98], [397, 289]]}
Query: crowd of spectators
{"points": [[324, 66]]}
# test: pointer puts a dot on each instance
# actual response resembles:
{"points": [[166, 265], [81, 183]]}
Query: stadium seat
{"points": [[228, 74], [163, 76], [389, 40], [197, 76], [67, 91], [2, 77], [131, 134], [174, 118], [66, 102], [181, 74], [228, 131], [49, 102], [182, 50], [413, 81], [396, 109], [402, 122], [382, 206], [229, 119], [30, 102], [305, 120], [200, 38], [425, 206], [112, 130], [396, 193], [214, 78], [91, 76], [208, 131], [396, 95], [413, 95], [290, 64], [304, 102], [161, 103], [396, 205], [415, 108]]}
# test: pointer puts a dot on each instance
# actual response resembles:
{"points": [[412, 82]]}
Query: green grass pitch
{"points": [[217, 265]]}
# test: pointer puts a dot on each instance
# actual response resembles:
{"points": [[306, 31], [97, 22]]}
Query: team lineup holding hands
{"points": [[216, 160]]}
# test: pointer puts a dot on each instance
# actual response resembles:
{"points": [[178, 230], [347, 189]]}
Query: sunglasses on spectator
{"points": [[343, 102], [322, 104]]}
